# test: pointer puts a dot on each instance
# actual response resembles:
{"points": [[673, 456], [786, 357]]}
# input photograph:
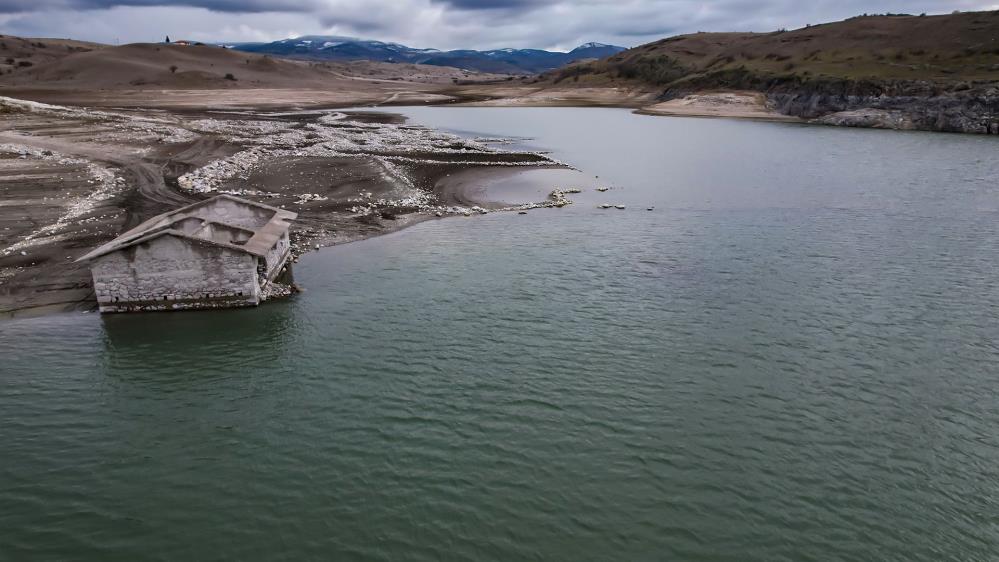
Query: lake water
{"points": [[794, 356]]}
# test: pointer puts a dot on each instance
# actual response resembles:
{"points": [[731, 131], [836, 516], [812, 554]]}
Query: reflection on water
{"points": [[221, 340], [790, 358]]}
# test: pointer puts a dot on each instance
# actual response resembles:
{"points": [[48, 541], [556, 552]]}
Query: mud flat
{"points": [[497, 189], [73, 178]]}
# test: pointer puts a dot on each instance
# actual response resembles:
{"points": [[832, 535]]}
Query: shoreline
{"points": [[349, 175], [722, 105], [453, 190]]}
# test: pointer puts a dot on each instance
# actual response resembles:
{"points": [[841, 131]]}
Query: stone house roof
{"points": [[191, 223]]}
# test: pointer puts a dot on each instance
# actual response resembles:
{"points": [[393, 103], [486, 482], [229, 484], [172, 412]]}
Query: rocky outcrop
{"points": [[916, 106], [958, 107], [868, 118]]}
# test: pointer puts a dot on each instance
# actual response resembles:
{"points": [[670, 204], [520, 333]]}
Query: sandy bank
{"points": [[735, 105], [534, 96]]}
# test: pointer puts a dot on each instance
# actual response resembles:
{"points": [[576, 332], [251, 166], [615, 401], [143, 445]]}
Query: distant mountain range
{"points": [[500, 61]]}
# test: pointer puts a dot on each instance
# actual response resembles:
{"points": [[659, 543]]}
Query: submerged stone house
{"points": [[217, 253]]}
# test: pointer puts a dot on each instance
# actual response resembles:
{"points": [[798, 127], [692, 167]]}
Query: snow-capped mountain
{"points": [[506, 61]]}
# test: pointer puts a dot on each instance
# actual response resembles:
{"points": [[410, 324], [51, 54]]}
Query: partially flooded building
{"points": [[217, 253]]}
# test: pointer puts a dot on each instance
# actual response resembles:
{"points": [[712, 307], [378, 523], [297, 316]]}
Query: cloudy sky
{"points": [[444, 24]]}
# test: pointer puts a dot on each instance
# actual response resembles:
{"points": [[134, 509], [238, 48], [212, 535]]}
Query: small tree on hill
{"points": [[173, 68], [167, 38]]}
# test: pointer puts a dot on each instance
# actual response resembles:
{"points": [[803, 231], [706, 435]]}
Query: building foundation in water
{"points": [[218, 253]]}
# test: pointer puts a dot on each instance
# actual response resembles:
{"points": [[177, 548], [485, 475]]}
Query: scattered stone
{"points": [[558, 198]]}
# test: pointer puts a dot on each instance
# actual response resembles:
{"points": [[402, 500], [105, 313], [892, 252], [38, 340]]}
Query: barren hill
{"points": [[17, 53], [176, 67], [145, 65], [934, 72]]}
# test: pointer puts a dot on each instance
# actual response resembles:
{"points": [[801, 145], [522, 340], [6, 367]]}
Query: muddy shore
{"points": [[74, 178]]}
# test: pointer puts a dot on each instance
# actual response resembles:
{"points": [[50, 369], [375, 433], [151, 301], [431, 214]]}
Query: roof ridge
{"points": [[155, 226]]}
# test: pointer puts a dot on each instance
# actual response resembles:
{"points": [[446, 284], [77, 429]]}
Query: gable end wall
{"points": [[174, 273]]}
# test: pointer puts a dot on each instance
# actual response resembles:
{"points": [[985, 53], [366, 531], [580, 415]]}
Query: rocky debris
{"points": [[306, 197], [332, 136], [274, 290], [389, 146], [106, 186], [870, 118], [124, 125], [558, 198]]}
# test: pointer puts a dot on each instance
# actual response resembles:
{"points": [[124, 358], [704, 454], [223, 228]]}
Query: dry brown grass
{"points": [[941, 49]]}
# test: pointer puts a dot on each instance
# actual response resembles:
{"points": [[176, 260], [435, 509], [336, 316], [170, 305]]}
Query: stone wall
{"points": [[172, 273], [277, 255]]}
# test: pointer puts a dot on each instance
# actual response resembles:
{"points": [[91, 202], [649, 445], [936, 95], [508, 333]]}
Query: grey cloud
{"points": [[493, 4], [229, 6], [437, 23]]}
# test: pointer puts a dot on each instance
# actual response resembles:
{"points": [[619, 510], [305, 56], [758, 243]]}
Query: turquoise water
{"points": [[793, 357]]}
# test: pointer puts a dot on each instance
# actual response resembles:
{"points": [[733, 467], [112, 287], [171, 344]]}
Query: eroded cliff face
{"points": [[960, 107], [915, 107]]}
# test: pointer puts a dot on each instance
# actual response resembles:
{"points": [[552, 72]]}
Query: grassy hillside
{"points": [[949, 51]]}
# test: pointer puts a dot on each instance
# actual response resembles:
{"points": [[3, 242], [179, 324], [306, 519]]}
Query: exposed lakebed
{"points": [[793, 356]]}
